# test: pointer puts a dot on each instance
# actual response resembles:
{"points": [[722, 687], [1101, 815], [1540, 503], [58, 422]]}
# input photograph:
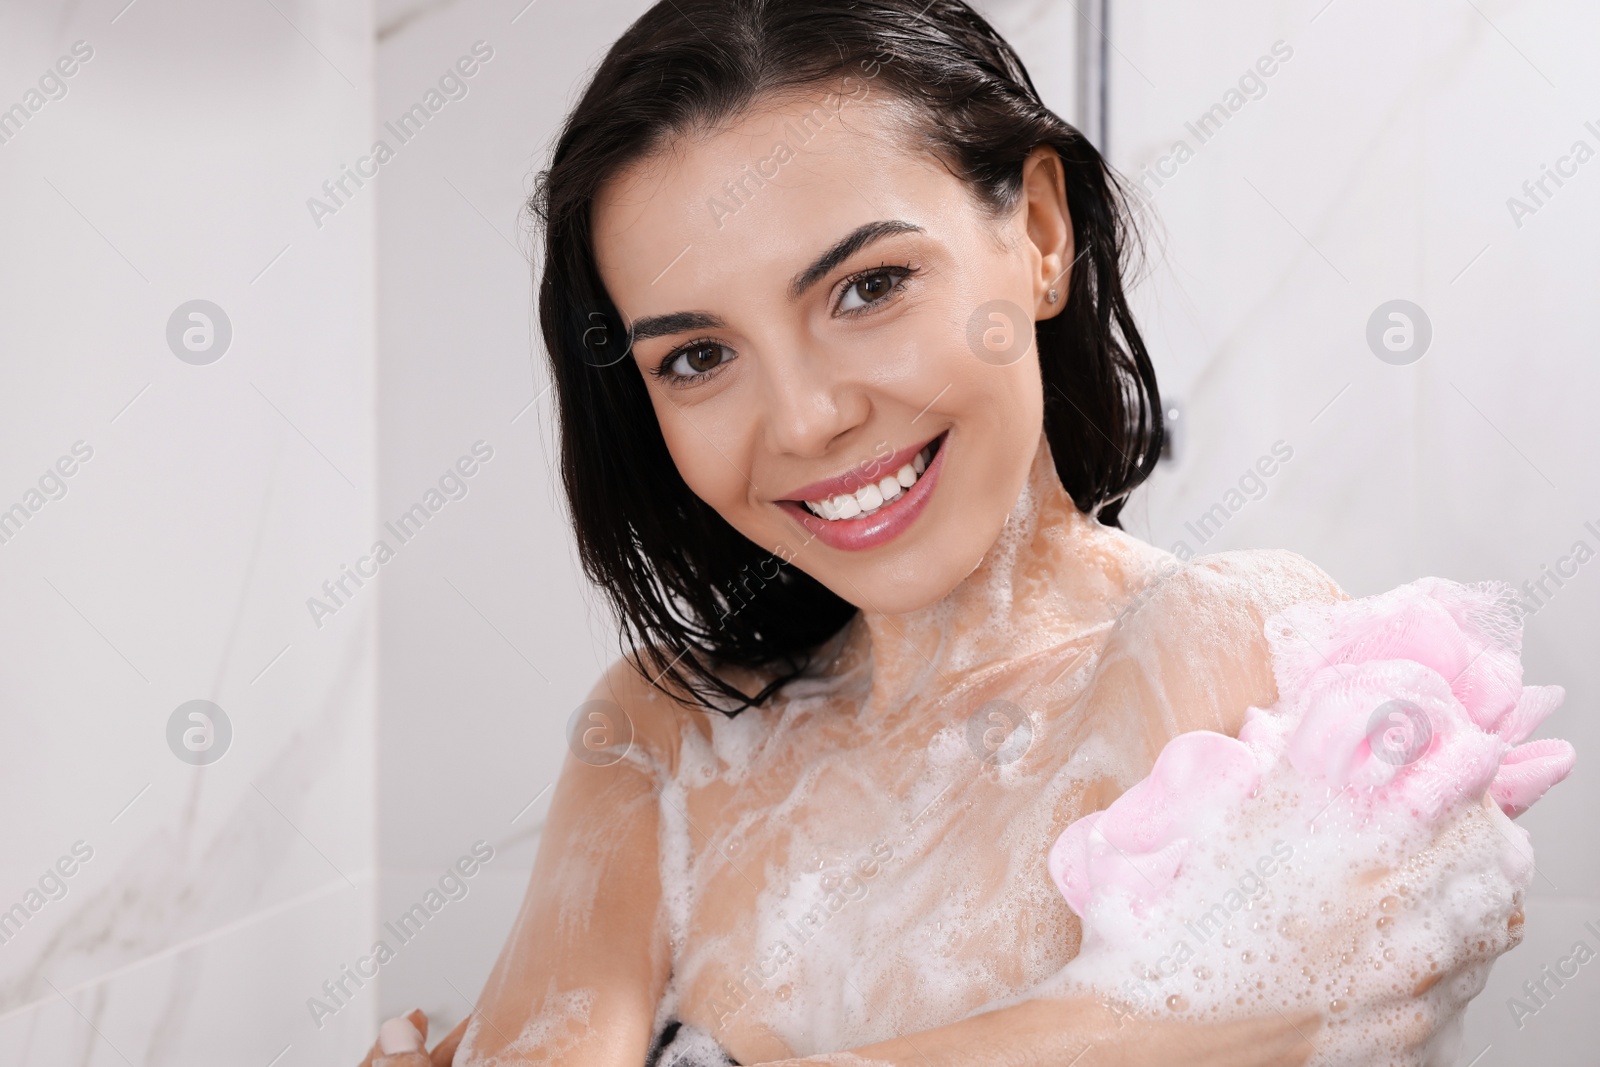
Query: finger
{"points": [[401, 1042], [444, 1053], [404, 1059]]}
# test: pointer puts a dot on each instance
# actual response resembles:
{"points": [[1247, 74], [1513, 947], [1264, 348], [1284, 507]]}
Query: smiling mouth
{"points": [[867, 500]]}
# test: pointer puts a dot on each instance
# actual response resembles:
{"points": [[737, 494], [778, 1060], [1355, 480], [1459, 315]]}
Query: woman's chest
{"points": [[842, 887]]}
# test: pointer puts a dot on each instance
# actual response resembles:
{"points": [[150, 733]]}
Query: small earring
{"points": [[1052, 296]]}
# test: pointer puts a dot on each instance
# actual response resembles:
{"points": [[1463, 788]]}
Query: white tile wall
{"points": [[1376, 165], [176, 567]]}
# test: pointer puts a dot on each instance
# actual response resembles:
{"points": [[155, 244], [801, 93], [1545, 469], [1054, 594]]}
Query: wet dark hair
{"points": [[690, 592]]}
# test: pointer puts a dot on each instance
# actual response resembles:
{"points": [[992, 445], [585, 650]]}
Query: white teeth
{"points": [[871, 496]]}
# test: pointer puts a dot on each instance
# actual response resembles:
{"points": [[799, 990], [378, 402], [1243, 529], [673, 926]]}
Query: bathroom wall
{"points": [[173, 889], [489, 635], [1384, 158]]}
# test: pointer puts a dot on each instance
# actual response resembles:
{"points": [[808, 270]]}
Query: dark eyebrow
{"points": [[682, 321], [852, 243], [677, 322]]}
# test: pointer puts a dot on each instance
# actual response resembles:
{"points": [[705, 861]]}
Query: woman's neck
{"points": [[1052, 576]]}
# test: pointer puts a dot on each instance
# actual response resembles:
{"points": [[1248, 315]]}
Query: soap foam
{"points": [[557, 1028], [1354, 865], [1294, 907], [1109, 646]]}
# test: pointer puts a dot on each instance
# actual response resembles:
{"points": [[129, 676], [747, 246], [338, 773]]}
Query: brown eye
{"points": [[691, 362], [874, 286], [702, 358], [871, 288]]}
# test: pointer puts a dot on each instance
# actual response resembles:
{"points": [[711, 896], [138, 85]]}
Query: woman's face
{"points": [[822, 316]]}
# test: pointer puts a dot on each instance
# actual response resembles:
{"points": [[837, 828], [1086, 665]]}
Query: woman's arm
{"points": [[1081, 1032], [1067, 1032], [586, 962]]}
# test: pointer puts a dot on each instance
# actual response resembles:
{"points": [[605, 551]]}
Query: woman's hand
{"points": [[1414, 990], [402, 1043]]}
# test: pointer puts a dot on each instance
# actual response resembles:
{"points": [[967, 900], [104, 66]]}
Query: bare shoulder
{"points": [[647, 716], [1199, 632], [1264, 581]]}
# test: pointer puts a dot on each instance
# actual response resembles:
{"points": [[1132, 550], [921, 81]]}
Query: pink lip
{"points": [[883, 525]]}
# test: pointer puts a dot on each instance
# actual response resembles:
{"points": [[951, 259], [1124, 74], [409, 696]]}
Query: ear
{"points": [[1049, 226]]}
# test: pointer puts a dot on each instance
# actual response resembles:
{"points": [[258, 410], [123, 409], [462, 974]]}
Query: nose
{"points": [[809, 404]]}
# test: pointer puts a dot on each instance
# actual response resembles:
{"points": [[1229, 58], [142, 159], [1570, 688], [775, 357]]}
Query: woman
{"points": [[850, 402]]}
